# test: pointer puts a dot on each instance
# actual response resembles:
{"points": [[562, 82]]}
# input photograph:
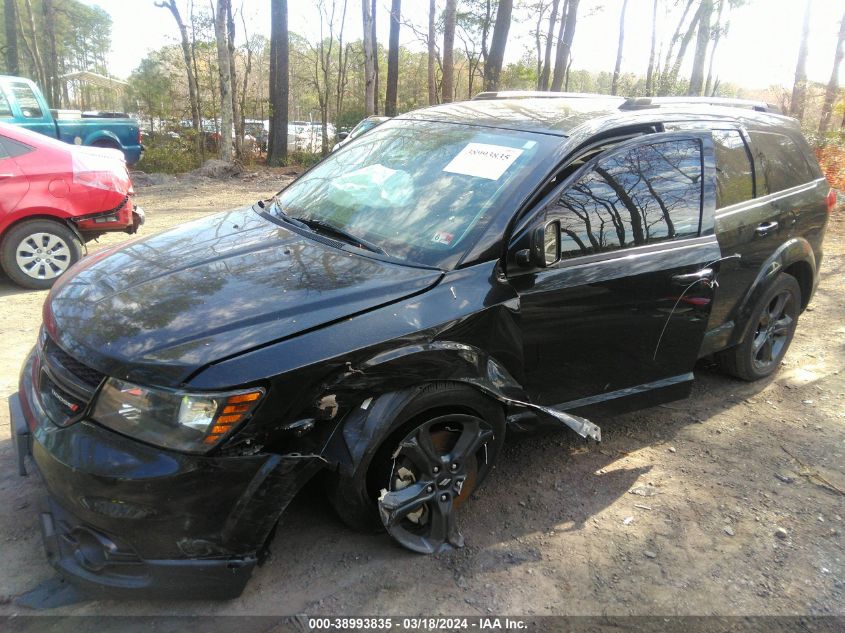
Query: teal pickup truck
{"points": [[21, 103]]}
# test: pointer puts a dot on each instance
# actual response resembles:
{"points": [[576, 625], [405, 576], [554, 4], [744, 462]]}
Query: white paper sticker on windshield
{"points": [[483, 160]]}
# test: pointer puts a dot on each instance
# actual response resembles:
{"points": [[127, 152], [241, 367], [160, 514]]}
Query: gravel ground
{"points": [[730, 502]]}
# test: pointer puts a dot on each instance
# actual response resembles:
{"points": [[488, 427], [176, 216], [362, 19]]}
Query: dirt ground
{"points": [[677, 512]]}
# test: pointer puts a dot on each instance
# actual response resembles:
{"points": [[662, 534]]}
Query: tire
{"points": [[771, 328], [23, 263], [355, 498]]}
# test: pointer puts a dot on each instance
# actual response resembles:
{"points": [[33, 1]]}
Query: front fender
{"points": [[794, 250]]}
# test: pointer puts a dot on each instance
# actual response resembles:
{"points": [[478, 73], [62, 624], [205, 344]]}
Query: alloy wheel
{"points": [[43, 255], [434, 470], [773, 331]]}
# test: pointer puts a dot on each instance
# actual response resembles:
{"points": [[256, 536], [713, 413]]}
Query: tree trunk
{"points": [[375, 61], [564, 44], [432, 82], [543, 82], [799, 88], [393, 59], [51, 67], [833, 85], [225, 73], [233, 72], [10, 11], [702, 42], [448, 89], [708, 85], [342, 59], [614, 86], [663, 87], [277, 148], [493, 63], [34, 51], [675, 68], [649, 78], [369, 60], [187, 58]]}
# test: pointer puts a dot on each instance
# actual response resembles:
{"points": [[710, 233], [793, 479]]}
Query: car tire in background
{"points": [[771, 328], [35, 253], [443, 409]]}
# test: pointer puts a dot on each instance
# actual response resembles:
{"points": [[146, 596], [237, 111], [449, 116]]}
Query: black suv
{"points": [[506, 262]]}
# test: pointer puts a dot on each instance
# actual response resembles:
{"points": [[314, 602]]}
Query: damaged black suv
{"points": [[506, 262]]}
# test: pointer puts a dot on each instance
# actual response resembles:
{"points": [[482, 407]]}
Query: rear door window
{"points": [[734, 176], [27, 101], [645, 194], [781, 164]]}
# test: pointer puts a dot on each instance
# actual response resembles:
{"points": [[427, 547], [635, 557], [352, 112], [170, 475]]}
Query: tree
{"points": [[543, 80], [702, 41], [649, 78], [376, 91], [51, 63], [833, 85], [799, 88], [369, 60], [10, 15], [614, 86], [719, 30], [171, 6], [496, 55], [432, 82], [225, 72], [448, 88], [393, 59], [277, 148], [564, 44], [34, 51], [672, 68]]}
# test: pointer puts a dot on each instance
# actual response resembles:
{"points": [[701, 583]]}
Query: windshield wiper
{"points": [[280, 212], [320, 226]]}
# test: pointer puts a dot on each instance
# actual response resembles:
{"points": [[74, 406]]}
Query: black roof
{"points": [[561, 116]]}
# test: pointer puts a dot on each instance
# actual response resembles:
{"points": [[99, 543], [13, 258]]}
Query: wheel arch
{"points": [[794, 257], [384, 385], [104, 136], [41, 215]]}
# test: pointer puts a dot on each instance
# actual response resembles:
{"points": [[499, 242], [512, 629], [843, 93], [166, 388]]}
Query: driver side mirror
{"points": [[342, 136], [545, 247]]}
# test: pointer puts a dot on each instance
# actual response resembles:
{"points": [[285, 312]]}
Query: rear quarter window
{"points": [[734, 175], [781, 163]]}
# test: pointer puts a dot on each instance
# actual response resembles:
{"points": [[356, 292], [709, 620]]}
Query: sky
{"points": [[759, 51]]}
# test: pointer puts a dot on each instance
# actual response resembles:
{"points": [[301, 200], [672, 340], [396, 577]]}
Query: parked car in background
{"points": [[457, 273], [363, 126], [54, 197], [21, 103]]}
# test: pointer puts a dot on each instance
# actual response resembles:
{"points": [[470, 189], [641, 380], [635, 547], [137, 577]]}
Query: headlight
{"points": [[193, 422]]}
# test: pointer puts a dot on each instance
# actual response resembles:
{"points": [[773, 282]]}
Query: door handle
{"points": [[690, 278], [766, 228]]}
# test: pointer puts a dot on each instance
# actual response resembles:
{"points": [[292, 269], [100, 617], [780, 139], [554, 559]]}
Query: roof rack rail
{"points": [[538, 94], [642, 103]]}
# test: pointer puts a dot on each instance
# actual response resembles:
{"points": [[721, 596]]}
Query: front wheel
{"points": [[36, 252], [773, 321], [442, 446]]}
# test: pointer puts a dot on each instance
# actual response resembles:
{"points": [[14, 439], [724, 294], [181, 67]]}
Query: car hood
{"points": [[158, 309]]}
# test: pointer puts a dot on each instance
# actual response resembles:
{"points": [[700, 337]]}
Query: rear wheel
{"points": [[773, 325], [443, 446], [36, 252]]}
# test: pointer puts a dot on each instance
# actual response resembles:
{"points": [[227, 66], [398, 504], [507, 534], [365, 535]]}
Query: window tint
{"points": [[3, 152], [645, 194], [27, 101], [781, 163], [14, 148], [5, 108], [733, 168]]}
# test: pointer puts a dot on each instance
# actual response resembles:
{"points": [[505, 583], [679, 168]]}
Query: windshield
{"points": [[418, 190]]}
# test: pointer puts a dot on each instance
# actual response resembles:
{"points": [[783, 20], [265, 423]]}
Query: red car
{"points": [[54, 197]]}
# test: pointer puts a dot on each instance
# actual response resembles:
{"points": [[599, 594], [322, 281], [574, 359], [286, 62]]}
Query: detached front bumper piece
{"points": [[122, 518]]}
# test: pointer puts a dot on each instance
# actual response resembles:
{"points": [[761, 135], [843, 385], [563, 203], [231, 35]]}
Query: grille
{"points": [[82, 372]]}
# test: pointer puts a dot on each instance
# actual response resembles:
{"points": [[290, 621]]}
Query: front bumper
{"points": [[125, 518]]}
